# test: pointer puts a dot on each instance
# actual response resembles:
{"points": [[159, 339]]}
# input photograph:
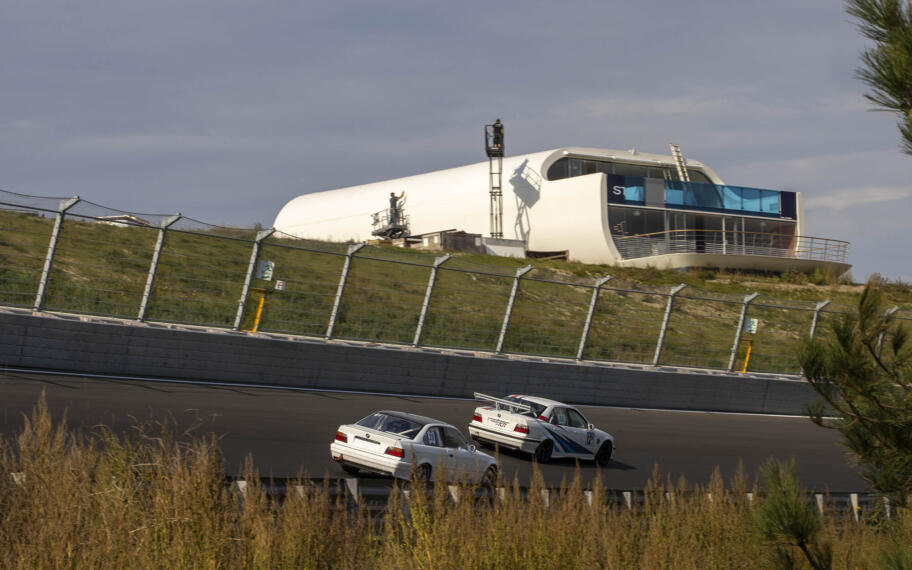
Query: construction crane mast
{"points": [[494, 147]]}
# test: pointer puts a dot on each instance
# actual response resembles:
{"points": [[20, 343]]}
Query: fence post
{"points": [[506, 322], [153, 267], [734, 350], [427, 297], [254, 254], [817, 309], [352, 249], [585, 336], [52, 247], [889, 312], [661, 342]]}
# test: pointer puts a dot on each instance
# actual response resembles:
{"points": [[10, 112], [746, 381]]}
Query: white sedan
{"points": [[394, 443], [545, 428]]}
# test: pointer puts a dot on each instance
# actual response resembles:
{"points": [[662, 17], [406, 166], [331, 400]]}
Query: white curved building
{"points": [[602, 206]]}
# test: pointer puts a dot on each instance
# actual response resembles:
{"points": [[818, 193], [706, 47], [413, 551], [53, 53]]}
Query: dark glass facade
{"points": [[569, 167], [627, 185]]}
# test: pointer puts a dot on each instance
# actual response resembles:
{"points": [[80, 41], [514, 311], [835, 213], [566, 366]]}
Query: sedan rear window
{"points": [[389, 423]]}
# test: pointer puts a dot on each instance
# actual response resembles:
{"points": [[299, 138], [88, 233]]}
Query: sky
{"points": [[224, 111]]}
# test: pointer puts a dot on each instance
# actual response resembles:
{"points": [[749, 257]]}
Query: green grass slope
{"points": [[102, 268]]}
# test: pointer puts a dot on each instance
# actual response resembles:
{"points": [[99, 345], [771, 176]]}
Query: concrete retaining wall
{"points": [[105, 347]]}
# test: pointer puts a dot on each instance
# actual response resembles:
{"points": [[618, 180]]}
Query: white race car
{"points": [[545, 428], [392, 443]]}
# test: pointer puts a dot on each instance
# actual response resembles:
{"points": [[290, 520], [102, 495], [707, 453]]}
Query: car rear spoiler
{"points": [[501, 403]]}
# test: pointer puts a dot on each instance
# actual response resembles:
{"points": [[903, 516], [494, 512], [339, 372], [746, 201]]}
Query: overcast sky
{"points": [[226, 110]]}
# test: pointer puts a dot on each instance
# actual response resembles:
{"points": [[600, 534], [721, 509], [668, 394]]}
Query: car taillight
{"points": [[341, 437], [395, 451], [476, 418], [522, 429], [543, 418]]}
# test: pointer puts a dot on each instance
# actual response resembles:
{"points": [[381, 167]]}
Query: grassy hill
{"points": [[101, 267]]}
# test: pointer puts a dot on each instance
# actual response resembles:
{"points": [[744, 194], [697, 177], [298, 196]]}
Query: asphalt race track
{"points": [[288, 432]]}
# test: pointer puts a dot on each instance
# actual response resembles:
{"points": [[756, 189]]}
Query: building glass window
{"points": [[630, 169], [558, 170], [575, 165]]}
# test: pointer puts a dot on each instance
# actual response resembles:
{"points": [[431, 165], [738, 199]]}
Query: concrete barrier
{"points": [[106, 346]]}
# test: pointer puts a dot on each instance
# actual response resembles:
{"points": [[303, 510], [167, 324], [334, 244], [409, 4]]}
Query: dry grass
{"points": [[160, 501]]}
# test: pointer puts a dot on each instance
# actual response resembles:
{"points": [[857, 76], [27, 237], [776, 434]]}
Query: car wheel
{"points": [[350, 469], [603, 456], [423, 473], [489, 479], [543, 451]]}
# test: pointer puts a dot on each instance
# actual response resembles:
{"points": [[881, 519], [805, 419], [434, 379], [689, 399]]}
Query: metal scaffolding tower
{"points": [[494, 148]]}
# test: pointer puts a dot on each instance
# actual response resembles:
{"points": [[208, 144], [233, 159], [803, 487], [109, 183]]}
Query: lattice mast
{"points": [[494, 148]]}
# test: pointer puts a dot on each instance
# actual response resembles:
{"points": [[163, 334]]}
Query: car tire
{"points": [[603, 455], [543, 451], [489, 479], [350, 469], [423, 473]]}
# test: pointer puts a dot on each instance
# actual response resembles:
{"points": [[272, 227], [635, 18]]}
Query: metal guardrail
{"points": [[727, 242], [373, 494]]}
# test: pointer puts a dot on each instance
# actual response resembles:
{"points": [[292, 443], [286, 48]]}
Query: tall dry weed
{"points": [[156, 500]]}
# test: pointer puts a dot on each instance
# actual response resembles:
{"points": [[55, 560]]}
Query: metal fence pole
{"points": [[254, 254], [52, 247], [585, 336], [352, 249], [661, 342], [817, 309], [427, 297], [880, 338], [734, 350], [153, 267], [506, 322]]}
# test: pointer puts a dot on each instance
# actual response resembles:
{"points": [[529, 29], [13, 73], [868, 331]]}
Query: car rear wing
{"points": [[502, 404]]}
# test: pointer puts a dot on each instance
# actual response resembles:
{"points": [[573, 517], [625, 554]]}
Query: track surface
{"points": [[288, 432]]}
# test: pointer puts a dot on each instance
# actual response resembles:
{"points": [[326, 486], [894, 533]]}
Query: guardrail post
{"points": [[52, 248], [352, 249], [585, 336], [817, 309], [734, 350], [427, 297], [506, 322], [254, 254], [661, 342], [153, 266], [889, 312]]}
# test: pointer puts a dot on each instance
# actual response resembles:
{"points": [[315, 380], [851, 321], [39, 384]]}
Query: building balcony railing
{"points": [[728, 242]]}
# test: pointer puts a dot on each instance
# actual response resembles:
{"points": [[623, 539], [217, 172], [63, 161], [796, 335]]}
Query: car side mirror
{"points": [[590, 427], [472, 448]]}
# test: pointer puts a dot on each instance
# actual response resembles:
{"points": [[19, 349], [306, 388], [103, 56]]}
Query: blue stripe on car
{"points": [[567, 444]]}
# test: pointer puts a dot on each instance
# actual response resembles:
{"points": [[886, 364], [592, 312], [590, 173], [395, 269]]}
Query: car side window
{"points": [[559, 416], [433, 438], [576, 419], [452, 438]]}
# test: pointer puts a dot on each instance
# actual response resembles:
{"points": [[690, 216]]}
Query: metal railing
{"points": [[729, 242], [70, 255]]}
